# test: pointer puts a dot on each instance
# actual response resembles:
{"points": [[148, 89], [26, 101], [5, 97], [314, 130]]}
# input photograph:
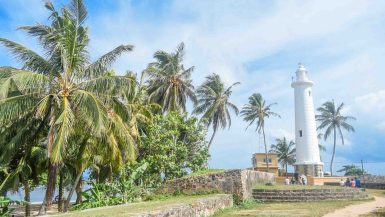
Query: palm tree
{"points": [[352, 170], [62, 89], [285, 152], [170, 83], [213, 103], [140, 109], [256, 112], [332, 120]]}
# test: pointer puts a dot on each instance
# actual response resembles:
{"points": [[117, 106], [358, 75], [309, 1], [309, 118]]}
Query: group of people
{"points": [[296, 180], [350, 182]]}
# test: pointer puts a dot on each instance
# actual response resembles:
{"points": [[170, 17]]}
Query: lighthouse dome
{"points": [[301, 73]]}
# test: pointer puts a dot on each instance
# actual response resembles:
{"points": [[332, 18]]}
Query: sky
{"points": [[256, 43]]}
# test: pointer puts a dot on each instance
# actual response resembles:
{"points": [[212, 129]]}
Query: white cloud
{"points": [[371, 102], [280, 133]]}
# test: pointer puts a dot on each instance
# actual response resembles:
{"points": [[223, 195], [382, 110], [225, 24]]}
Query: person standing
{"points": [[287, 181], [347, 182], [358, 182], [353, 183]]}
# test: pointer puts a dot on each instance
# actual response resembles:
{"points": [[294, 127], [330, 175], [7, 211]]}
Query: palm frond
{"points": [[78, 11], [64, 125], [108, 85], [16, 107], [101, 65], [91, 110], [26, 81], [29, 59]]}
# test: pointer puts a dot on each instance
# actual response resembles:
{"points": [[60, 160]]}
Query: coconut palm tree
{"points": [[352, 170], [170, 83], [62, 89], [256, 112], [285, 152], [213, 103], [140, 110], [331, 120]]}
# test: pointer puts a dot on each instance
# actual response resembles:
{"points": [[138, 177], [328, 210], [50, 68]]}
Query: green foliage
{"points": [[124, 188], [5, 203], [62, 110], [352, 170], [97, 196], [247, 204], [172, 145]]}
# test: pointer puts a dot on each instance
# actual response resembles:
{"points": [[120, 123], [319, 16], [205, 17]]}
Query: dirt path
{"points": [[358, 209]]}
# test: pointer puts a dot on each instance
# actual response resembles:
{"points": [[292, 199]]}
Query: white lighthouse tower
{"points": [[307, 152]]}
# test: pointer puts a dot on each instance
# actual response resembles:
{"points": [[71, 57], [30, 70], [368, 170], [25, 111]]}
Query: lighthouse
{"points": [[308, 160]]}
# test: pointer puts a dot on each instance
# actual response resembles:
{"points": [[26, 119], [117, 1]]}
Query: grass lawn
{"points": [[303, 209], [380, 211], [127, 209], [376, 192], [376, 213]]}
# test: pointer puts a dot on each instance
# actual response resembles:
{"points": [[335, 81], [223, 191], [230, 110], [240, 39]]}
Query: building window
{"points": [[309, 93], [269, 159], [300, 133]]}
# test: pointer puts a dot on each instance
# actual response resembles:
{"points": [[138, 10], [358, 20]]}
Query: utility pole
{"points": [[362, 169], [362, 165]]}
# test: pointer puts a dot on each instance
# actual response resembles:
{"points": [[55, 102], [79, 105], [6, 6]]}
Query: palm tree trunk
{"points": [[51, 184], [334, 151], [212, 138], [79, 199], [67, 202], [264, 141], [52, 171], [61, 192], [27, 197], [286, 170]]}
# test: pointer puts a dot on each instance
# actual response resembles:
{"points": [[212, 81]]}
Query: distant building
{"points": [[308, 160], [259, 162]]}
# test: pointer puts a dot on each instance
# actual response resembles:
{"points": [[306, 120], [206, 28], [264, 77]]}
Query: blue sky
{"points": [[258, 43]]}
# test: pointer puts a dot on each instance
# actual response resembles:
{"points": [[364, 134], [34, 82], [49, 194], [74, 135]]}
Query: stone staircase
{"points": [[309, 194]]}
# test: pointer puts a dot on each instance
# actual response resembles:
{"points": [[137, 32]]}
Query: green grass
{"points": [[380, 211], [205, 172], [134, 208], [376, 192], [376, 213], [300, 209]]}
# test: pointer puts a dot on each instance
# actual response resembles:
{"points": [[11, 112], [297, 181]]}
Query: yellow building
{"points": [[259, 162]]}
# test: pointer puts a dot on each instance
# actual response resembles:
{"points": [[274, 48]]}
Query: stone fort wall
{"points": [[308, 194], [373, 181], [238, 182], [201, 208]]}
